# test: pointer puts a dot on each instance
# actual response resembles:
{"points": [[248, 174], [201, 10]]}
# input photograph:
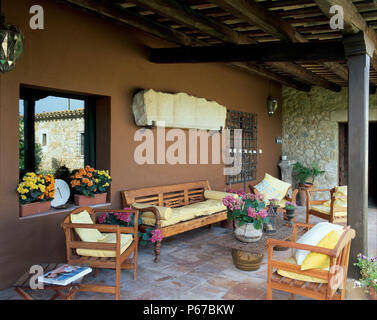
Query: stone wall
{"points": [[310, 128], [63, 140]]}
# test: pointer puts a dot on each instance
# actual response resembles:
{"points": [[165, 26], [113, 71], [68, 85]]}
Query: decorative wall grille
{"points": [[248, 123]]}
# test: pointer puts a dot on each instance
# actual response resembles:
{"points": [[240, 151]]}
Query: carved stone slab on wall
{"points": [[178, 110]]}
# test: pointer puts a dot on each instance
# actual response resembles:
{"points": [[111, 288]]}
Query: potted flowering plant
{"points": [[126, 219], [290, 208], [249, 213], [368, 271], [90, 186], [35, 193]]}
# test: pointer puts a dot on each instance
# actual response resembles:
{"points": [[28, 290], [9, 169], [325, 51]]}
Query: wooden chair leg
{"points": [[292, 296], [135, 263], [117, 280], [269, 292], [307, 218], [95, 273], [157, 248]]}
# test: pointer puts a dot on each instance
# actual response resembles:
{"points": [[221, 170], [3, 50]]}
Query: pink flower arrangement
{"points": [[156, 235]]}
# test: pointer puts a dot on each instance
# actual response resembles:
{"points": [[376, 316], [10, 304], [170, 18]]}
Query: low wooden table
{"points": [[249, 256], [68, 292]]}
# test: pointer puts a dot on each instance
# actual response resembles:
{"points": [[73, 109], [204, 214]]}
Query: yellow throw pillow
{"points": [[165, 212], [272, 188], [217, 195], [315, 260], [87, 235]]}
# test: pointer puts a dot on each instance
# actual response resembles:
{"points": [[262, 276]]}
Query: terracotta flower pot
{"points": [[372, 293], [81, 200], [302, 192], [34, 208]]}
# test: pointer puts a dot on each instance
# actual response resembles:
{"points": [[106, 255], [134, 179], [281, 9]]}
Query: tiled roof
{"points": [[65, 114]]}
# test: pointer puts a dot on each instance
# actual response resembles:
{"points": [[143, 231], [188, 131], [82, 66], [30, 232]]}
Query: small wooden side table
{"points": [[68, 292], [249, 256]]}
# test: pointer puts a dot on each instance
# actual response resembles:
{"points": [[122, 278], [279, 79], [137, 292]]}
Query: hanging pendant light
{"points": [[272, 103], [11, 44]]}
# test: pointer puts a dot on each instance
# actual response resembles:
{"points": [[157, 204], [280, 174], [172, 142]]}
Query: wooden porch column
{"points": [[358, 55]]}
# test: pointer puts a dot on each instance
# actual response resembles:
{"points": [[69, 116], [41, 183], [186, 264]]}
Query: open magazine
{"points": [[64, 274]]}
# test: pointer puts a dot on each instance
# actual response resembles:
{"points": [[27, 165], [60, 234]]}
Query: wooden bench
{"points": [[173, 196]]}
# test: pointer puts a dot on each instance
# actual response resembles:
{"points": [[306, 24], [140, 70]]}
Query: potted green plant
{"points": [[249, 213], [126, 219], [368, 272], [35, 193], [305, 177], [290, 208], [90, 186]]}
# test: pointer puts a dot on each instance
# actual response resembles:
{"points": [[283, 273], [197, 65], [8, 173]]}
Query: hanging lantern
{"points": [[11, 45], [272, 105]]}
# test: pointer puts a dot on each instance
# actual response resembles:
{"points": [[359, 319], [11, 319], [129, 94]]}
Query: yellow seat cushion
{"points": [[315, 260], [326, 210], [165, 212], [297, 276], [188, 212], [272, 188], [207, 207], [87, 235], [125, 242], [218, 195]]}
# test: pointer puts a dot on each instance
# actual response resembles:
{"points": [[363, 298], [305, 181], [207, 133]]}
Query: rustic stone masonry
{"points": [[310, 128], [59, 134]]}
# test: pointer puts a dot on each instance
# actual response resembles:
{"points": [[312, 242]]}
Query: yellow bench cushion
{"points": [[339, 203], [188, 212], [272, 188], [218, 195], [125, 242], [165, 212], [298, 276], [87, 235]]}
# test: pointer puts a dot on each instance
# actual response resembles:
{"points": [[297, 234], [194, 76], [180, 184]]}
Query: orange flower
{"points": [[78, 176], [51, 194], [89, 175], [90, 183], [41, 196]]}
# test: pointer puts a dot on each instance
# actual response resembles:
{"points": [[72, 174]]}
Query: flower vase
{"points": [[290, 214], [247, 232], [81, 200]]}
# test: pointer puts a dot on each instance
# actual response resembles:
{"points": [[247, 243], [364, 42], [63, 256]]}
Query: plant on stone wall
{"points": [[302, 173]]}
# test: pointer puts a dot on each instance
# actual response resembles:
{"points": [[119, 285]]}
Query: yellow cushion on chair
{"points": [[87, 235], [298, 276], [315, 260], [125, 242], [272, 188]]}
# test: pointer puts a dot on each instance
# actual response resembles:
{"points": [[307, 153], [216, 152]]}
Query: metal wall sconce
{"points": [[272, 105], [11, 45]]}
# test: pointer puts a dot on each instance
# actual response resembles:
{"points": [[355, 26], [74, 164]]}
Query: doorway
{"points": [[372, 162]]}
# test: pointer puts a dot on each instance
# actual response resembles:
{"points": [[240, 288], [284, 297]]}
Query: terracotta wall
{"points": [[83, 53]]}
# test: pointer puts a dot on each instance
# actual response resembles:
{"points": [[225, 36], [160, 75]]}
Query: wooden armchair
{"points": [[335, 278], [116, 259], [332, 213]]}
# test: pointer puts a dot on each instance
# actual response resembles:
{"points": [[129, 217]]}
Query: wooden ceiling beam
{"points": [[258, 53], [113, 12], [257, 15]]}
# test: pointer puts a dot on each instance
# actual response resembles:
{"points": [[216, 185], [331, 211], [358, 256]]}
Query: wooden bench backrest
{"points": [[174, 195]]}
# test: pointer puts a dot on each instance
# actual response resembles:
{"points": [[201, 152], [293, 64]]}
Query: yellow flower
{"points": [[23, 197]]}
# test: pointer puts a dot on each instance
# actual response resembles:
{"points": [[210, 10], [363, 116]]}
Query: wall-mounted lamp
{"points": [[11, 44], [272, 105]]}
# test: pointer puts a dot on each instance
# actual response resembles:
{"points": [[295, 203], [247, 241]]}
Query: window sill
{"points": [[65, 210]]}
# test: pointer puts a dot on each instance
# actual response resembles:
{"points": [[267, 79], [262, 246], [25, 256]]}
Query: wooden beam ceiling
{"points": [[184, 14], [113, 11], [257, 15], [353, 22]]}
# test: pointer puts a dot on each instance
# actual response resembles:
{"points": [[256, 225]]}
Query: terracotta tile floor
{"points": [[193, 268]]}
